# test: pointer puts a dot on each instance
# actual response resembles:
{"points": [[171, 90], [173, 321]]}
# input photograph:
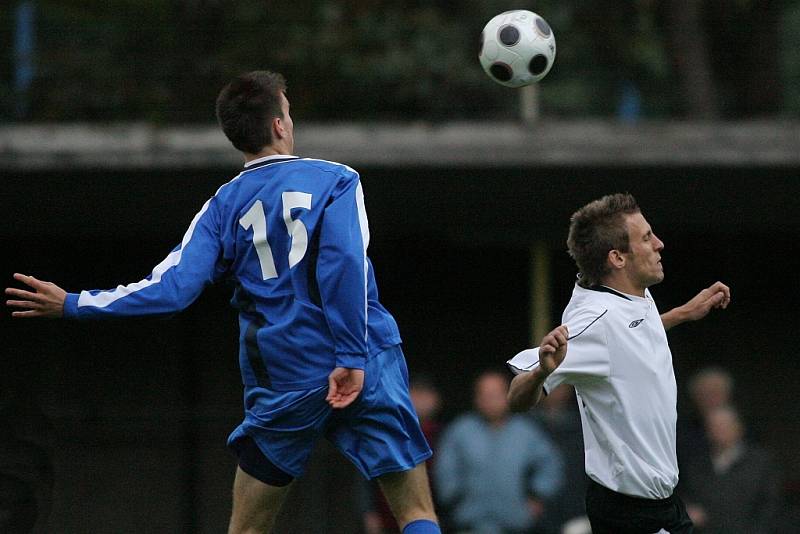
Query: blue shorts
{"points": [[379, 432]]}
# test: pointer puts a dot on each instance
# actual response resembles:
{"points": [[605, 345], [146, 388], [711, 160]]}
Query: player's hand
{"points": [[718, 295], [344, 385], [46, 299], [553, 348]]}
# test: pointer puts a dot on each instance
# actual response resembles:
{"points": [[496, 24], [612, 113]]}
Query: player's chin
{"points": [[656, 278]]}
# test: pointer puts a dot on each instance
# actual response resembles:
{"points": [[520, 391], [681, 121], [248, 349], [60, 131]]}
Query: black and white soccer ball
{"points": [[517, 48]]}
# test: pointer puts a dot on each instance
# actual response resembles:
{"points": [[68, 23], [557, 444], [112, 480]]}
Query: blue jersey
{"points": [[293, 234]]}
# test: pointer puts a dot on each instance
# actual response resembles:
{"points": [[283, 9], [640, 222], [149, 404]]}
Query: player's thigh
{"points": [[408, 494], [380, 433], [255, 504], [280, 429]]}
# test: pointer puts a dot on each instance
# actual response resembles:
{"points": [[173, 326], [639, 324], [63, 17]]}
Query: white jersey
{"points": [[619, 361]]}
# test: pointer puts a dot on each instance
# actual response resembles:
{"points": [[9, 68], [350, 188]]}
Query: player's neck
{"points": [[269, 150], [623, 284]]}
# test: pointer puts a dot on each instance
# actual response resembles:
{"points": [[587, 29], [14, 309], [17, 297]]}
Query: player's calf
{"points": [[409, 497]]}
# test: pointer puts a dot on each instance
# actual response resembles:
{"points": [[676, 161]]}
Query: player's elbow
{"points": [[173, 297]]}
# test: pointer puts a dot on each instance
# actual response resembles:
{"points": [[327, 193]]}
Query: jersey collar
{"points": [[606, 289], [267, 160]]}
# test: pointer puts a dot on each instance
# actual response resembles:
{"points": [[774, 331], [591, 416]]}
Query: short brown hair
{"points": [[596, 229], [246, 107]]}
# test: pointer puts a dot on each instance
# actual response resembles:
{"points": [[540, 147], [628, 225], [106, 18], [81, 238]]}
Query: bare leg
{"points": [[255, 505], [409, 495]]}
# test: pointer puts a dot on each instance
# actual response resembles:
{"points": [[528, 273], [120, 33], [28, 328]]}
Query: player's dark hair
{"points": [[596, 229], [246, 107]]}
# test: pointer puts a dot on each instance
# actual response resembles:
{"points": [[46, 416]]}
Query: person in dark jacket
{"points": [[735, 489]]}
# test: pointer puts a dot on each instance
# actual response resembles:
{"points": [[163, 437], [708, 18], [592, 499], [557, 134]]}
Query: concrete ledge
{"points": [[479, 144]]}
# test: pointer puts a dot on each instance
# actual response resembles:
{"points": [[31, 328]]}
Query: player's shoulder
{"points": [[330, 171], [328, 166], [586, 310], [586, 314], [226, 189]]}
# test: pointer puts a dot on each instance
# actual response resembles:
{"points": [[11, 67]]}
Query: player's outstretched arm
{"points": [[46, 299], [718, 295], [344, 386], [526, 388]]}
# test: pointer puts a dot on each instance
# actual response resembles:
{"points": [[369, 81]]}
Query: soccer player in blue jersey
{"points": [[319, 354]]}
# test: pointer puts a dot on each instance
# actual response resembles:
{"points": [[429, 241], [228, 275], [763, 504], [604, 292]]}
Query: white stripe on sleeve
{"points": [[363, 223]]}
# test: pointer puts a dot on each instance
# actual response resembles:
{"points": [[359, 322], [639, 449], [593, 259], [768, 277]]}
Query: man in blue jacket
{"points": [[496, 471]]}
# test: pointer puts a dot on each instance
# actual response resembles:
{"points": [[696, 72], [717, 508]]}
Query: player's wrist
{"points": [[351, 360], [539, 374]]}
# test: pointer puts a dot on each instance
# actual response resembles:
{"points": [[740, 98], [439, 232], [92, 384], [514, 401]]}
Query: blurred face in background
{"points": [[426, 401], [711, 390], [491, 400], [724, 429]]}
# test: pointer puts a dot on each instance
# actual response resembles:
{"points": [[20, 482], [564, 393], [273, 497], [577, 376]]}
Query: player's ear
{"points": [[616, 259], [278, 129]]}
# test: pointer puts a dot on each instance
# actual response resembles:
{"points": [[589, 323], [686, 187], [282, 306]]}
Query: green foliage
{"points": [[165, 61]]}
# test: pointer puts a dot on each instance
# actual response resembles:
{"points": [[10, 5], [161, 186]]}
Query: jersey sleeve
{"points": [[342, 271], [174, 283], [587, 352]]}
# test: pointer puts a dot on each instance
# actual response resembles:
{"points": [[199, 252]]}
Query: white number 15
{"points": [[298, 233]]}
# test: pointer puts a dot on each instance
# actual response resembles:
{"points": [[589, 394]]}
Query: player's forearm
{"points": [[342, 290], [124, 302], [674, 317], [525, 390]]}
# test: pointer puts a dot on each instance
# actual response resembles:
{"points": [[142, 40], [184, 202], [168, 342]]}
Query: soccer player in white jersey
{"points": [[612, 347], [319, 354]]}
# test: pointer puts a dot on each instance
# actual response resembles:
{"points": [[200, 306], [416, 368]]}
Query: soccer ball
{"points": [[517, 48]]}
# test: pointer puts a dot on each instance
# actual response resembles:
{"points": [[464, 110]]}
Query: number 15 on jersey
{"points": [[256, 219]]}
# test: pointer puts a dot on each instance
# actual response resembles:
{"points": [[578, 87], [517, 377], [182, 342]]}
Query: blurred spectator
{"points": [[709, 389], [737, 491], [378, 518], [558, 414], [495, 472]]}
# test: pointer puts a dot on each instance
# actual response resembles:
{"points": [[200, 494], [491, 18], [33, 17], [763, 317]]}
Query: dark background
{"points": [[139, 410]]}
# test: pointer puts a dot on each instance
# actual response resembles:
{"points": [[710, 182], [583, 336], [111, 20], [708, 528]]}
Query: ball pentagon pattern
{"points": [[517, 48]]}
